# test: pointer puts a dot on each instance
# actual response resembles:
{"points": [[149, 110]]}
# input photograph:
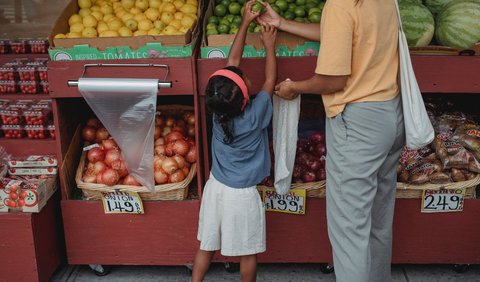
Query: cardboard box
{"points": [[28, 199], [33, 161], [113, 48], [286, 45]]}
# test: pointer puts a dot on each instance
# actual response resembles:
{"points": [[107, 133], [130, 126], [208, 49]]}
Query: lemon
{"points": [[125, 31], [128, 4], [152, 14], [108, 17], [73, 35], [178, 4], [139, 33], [193, 16], [141, 4], [75, 18], [187, 22], [140, 17], [178, 15], [167, 17], [106, 9], [109, 33], [77, 28], [89, 32], [192, 2], [169, 7], [176, 23], [90, 21], [95, 8], [84, 12], [154, 31], [131, 24], [183, 30], [84, 4], [170, 30], [117, 5], [98, 15], [189, 8], [127, 16], [120, 13], [145, 25], [154, 3], [60, 35], [114, 24], [158, 24], [101, 27]]}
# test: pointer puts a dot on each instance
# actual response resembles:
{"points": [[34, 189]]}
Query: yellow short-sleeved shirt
{"points": [[360, 41]]}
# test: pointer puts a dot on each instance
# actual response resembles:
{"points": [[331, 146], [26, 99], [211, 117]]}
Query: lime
{"points": [[289, 15], [225, 2], [212, 32], [229, 17], [315, 17], [282, 4], [242, 2], [276, 9], [257, 7], [237, 20], [223, 29], [314, 10], [211, 26], [224, 22], [300, 2], [290, 1], [310, 5], [220, 10], [300, 20], [251, 27], [213, 19], [234, 8], [299, 12], [233, 30], [316, 2], [258, 28]]}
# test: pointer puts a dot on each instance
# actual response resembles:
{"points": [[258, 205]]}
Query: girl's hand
{"points": [[268, 35], [285, 90], [270, 17], [248, 15]]}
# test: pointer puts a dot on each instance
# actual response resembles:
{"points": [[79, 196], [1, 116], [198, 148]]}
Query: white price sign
{"points": [[443, 200], [122, 202], [293, 202]]}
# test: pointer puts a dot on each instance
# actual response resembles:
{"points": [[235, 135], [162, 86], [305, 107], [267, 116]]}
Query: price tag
{"points": [[122, 202], [444, 200], [293, 202]]}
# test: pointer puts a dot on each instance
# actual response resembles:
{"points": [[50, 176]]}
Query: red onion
{"points": [[160, 177], [157, 162], [159, 150], [157, 133], [191, 131], [177, 176], [121, 167], [99, 167], [321, 174], [297, 171], [191, 119], [302, 158], [166, 130], [130, 180], [90, 178], [180, 160], [173, 136], [159, 121], [96, 154], [169, 165], [159, 141], [186, 170], [110, 144], [99, 178], [94, 122], [180, 147], [110, 177], [308, 176], [101, 134], [317, 137], [180, 123], [319, 150], [111, 156], [313, 164], [170, 121], [88, 133], [191, 156]]}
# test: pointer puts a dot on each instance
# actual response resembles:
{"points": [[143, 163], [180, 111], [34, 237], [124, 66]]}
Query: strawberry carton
{"points": [[38, 46], [36, 131], [20, 46], [26, 195], [42, 72], [4, 46], [36, 171], [37, 116], [27, 72], [13, 131], [8, 86], [51, 131], [44, 87], [33, 161], [29, 87], [8, 73], [12, 116]]}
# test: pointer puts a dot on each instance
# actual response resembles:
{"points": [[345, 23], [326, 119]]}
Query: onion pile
{"points": [[174, 152], [309, 163]]}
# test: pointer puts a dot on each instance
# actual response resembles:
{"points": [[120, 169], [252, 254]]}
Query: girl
{"points": [[232, 216]]}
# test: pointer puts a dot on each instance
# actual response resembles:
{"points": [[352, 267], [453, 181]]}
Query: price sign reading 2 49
{"points": [[122, 202], [293, 202], [445, 200]]}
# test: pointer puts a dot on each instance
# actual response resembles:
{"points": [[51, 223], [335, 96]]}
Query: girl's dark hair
{"points": [[224, 99]]}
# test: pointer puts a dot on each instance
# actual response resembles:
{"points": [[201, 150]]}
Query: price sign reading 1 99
{"points": [[445, 200], [293, 202]]}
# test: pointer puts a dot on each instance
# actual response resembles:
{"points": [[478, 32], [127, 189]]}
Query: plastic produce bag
{"points": [[285, 132], [126, 107]]}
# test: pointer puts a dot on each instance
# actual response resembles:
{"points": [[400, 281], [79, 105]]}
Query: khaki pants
{"points": [[364, 145]]}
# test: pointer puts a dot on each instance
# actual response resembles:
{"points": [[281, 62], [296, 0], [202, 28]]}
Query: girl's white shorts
{"points": [[231, 220]]}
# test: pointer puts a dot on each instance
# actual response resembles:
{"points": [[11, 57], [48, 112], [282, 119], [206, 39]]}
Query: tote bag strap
{"points": [[398, 15]]}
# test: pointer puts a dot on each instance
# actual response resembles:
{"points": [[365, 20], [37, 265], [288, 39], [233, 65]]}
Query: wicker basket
{"points": [[404, 191], [409, 191], [171, 191], [313, 189]]}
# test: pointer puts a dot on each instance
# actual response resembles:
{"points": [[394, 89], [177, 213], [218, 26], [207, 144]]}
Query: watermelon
{"points": [[418, 23], [458, 24], [435, 6]]}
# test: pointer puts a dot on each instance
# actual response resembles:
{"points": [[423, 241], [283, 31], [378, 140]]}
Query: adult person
{"points": [[356, 74]]}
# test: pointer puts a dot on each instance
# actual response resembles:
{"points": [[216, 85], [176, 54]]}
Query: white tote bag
{"points": [[418, 128]]}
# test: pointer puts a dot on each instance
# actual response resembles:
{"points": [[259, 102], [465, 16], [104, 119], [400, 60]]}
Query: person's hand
{"points": [[268, 35], [248, 15], [270, 17], [285, 90]]}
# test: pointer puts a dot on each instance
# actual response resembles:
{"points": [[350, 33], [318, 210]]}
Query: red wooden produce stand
{"points": [[166, 233], [418, 238], [32, 243]]}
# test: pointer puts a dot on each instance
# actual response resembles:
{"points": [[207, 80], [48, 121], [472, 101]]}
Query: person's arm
{"points": [[317, 84], [310, 31], [268, 36], [236, 50]]}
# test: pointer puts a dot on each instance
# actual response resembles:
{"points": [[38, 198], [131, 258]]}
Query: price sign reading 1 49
{"points": [[293, 202], [122, 202], [445, 200]]}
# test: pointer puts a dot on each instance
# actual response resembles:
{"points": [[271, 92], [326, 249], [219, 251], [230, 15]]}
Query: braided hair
{"points": [[224, 99]]}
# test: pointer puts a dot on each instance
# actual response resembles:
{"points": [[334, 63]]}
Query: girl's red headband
{"points": [[237, 80]]}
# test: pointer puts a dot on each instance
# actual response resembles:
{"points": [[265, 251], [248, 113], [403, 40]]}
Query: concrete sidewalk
{"points": [[266, 273]]}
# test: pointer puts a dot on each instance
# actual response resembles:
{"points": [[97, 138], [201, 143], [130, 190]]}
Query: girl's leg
{"points": [[201, 264], [248, 268]]}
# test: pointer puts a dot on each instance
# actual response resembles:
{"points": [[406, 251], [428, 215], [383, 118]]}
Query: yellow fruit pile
{"points": [[113, 18]]}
